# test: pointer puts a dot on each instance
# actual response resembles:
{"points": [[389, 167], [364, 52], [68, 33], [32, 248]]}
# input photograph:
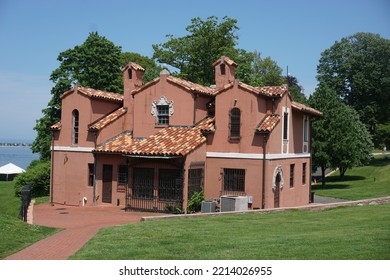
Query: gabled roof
{"points": [[269, 91], [305, 109], [107, 119], [191, 86], [225, 59], [268, 123], [134, 66], [96, 94]]}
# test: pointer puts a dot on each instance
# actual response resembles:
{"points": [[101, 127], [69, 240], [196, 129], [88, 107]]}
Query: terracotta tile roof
{"points": [[268, 123], [207, 125], [274, 90], [191, 86], [118, 144], [95, 93], [133, 65], [145, 85], [270, 91], [225, 59], [56, 126], [170, 141], [306, 109], [107, 119]]}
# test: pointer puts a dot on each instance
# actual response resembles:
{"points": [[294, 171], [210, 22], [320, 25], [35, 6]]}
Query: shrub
{"points": [[37, 176], [195, 202]]}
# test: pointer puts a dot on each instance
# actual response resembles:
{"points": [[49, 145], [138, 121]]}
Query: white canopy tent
{"points": [[10, 170]]}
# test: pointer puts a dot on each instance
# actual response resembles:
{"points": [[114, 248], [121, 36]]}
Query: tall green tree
{"points": [[295, 89], [357, 69], [340, 139], [152, 70], [194, 53], [96, 64], [265, 71]]}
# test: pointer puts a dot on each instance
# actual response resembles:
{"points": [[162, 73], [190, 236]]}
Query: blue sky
{"points": [[33, 33]]}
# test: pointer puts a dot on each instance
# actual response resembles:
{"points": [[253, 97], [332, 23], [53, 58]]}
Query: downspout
{"points": [[52, 169], [265, 139], [195, 98], [94, 171], [310, 162]]}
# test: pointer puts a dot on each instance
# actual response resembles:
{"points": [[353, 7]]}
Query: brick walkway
{"points": [[80, 224]]}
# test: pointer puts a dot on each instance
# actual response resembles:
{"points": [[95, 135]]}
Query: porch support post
{"points": [[94, 172], [265, 139]]}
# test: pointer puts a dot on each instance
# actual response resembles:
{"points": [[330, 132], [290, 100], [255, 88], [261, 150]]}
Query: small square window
{"points": [[163, 114]]}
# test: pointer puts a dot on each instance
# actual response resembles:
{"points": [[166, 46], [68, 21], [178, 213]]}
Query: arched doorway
{"points": [[277, 191], [277, 185]]}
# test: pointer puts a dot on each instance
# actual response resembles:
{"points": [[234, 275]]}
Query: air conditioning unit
{"points": [[208, 206], [234, 203]]}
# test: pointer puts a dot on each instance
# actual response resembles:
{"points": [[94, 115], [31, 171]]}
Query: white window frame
{"points": [[285, 110]]}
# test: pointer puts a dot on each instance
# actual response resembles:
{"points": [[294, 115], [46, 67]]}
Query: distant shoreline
{"points": [[7, 145]]}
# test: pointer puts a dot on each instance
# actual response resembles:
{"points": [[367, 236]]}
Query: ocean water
{"points": [[19, 155]]}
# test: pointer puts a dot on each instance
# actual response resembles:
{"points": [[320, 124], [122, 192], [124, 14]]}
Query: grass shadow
{"points": [[346, 178], [332, 187], [382, 161]]}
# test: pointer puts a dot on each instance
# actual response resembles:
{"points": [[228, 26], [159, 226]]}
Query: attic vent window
{"points": [[223, 69], [130, 73]]}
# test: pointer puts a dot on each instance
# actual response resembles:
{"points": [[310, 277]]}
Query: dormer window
{"points": [[130, 73], [162, 109], [75, 127], [162, 115], [223, 69], [235, 123]]}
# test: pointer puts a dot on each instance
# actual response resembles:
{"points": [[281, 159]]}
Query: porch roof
{"points": [[168, 142]]}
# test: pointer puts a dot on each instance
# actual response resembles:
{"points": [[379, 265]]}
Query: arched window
{"points": [[75, 127], [235, 123]]}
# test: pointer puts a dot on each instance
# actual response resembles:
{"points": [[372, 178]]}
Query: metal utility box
{"points": [[234, 203], [208, 206]]}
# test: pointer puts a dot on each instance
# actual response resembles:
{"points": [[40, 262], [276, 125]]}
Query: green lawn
{"points": [[360, 182], [361, 232], [16, 234]]}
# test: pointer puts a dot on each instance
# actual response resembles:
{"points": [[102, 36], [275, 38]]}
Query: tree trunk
{"points": [[323, 168], [342, 172]]}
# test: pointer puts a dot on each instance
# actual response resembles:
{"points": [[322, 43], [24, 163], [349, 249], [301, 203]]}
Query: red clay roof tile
{"points": [[107, 119], [95, 93], [268, 123], [306, 109], [56, 126], [170, 141]]}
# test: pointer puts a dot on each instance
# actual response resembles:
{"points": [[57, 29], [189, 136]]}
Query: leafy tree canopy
{"points": [[357, 69], [194, 53], [340, 139], [95, 64], [152, 70]]}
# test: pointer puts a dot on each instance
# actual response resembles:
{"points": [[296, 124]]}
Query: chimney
{"points": [[225, 70], [132, 79]]}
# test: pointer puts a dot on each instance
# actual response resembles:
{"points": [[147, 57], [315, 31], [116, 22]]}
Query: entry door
{"points": [[107, 183], [277, 191]]}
